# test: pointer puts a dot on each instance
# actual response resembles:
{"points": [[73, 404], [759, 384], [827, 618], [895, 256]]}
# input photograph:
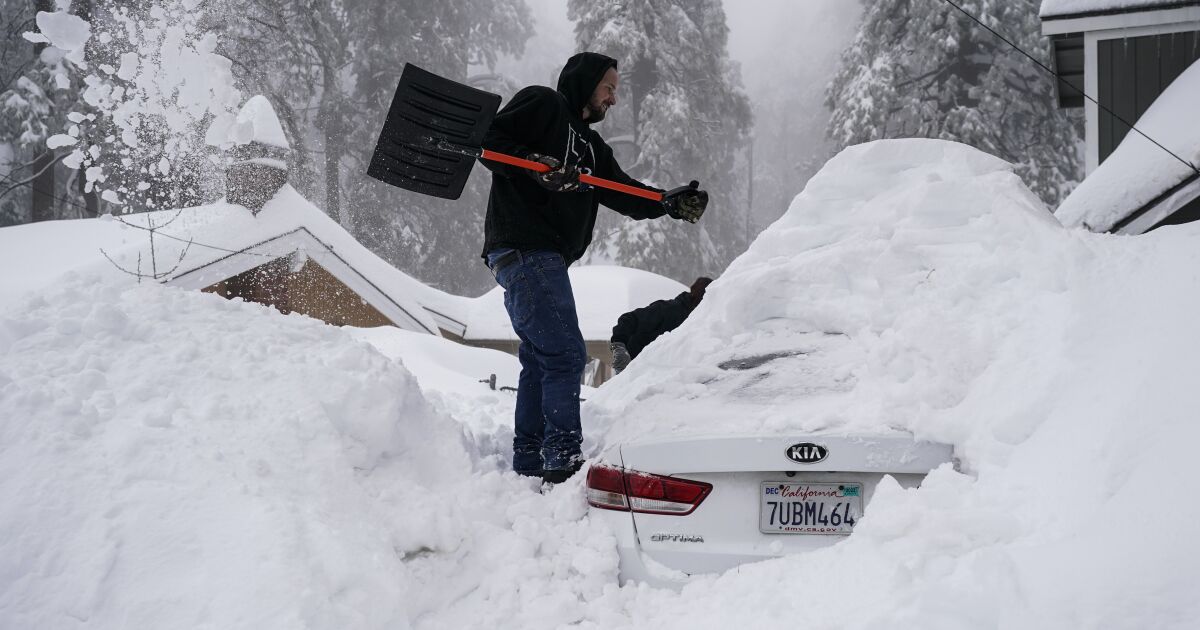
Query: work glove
{"points": [[686, 203], [560, 177], [620, 355]]}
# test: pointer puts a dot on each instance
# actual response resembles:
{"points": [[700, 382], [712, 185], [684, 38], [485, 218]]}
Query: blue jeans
{"points": [[541, 306]]}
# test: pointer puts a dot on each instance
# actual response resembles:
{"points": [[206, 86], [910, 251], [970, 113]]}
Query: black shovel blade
{"points": [[425, 109]]}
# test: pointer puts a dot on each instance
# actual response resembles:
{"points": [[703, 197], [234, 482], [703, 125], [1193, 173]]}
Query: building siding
{"points": [[1132, 73]]}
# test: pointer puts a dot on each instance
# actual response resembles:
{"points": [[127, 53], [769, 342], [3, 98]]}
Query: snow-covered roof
{"points": [[1061, 9], [602, 294], [226, 240], [1138, 172]]}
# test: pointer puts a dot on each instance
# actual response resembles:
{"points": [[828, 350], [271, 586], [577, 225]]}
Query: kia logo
{"points": [[806, 453]]}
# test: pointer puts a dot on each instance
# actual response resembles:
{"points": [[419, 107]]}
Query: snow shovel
{"points": [[433, 133]]}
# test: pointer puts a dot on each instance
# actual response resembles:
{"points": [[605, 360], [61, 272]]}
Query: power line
{"points": [[1063, 81]]}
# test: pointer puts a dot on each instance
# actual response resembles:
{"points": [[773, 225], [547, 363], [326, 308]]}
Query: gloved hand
{"points": [[686, 203], [621, 356], [560, 177]]}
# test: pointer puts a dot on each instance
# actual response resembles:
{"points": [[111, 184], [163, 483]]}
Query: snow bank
{"points": [[1056, 361], [1139, 171], [896, 277], [172, 459]]}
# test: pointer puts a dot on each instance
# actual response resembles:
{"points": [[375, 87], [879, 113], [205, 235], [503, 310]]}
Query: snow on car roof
{"points": [[1069, 8], [1138, 172], [869, 306]]}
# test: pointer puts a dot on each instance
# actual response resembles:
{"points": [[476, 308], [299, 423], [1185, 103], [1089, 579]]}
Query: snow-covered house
{"points": [[281, 250], [265, 243], [1137, 58], [602, 294], [1123, 53]]}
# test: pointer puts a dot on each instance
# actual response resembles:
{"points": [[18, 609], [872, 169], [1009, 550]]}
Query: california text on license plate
{"points": [[809, 508]]}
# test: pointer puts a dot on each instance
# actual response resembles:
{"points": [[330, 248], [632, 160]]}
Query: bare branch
{"points": [[137, 274], [26, 182]]}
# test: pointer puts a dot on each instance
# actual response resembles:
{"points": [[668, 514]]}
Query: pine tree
{"points": [[37, 91], [333, 105], [919, 68], [684, 117], [434, 239]]}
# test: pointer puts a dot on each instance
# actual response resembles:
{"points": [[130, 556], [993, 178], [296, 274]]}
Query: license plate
{"points": [[809, 508]]}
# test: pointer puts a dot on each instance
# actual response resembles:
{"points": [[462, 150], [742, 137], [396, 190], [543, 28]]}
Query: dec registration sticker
{"points": [[809, 508]]}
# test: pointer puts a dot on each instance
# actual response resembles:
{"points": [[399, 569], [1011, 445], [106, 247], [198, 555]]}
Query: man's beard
{"points": [[596, 113]]}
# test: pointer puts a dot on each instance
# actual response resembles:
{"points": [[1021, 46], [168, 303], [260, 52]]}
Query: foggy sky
{"points": [[761, 34]]}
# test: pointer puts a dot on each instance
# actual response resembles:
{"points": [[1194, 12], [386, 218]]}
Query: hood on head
{"points": [[580, 77]]}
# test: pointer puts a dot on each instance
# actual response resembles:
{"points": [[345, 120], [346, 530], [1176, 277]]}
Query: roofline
{"points": [[457, 327], [1168, 4], [416, 319], [1150, 205], [328, 248]]}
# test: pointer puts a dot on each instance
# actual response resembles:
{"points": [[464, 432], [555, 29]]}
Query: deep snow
{"points": [[175, 460]]}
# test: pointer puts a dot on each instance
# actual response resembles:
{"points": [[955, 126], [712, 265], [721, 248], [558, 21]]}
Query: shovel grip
{"points": [[590, 180]]}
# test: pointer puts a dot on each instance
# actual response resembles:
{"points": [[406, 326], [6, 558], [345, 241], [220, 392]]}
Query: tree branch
{"points": [[26, 182]]}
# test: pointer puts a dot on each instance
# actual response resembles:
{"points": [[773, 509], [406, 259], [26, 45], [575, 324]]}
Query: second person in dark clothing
{"points": [[637, 328], [536, 226]]}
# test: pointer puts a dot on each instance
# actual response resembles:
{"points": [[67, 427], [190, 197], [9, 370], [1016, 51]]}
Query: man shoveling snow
{"points": [[539, 223]]}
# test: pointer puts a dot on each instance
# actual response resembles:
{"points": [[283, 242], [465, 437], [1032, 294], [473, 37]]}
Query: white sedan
{"points": [[704, 505], [685, 496]]}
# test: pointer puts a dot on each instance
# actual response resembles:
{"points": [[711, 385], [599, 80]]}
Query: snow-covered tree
{"points": [[684, 117], [922, 69], [331, 68], [39, 88], [117, 100], [437, 240]]}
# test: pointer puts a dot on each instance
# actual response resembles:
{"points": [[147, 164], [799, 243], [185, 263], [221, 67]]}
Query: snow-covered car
{"points": [[836, 353], [707, 504]]}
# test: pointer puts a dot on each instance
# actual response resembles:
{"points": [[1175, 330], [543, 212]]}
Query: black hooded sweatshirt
{"points": [[639, 327], [523, 215]]}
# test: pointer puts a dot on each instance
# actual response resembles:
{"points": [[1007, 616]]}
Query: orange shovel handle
{"points": [[538, 167]]}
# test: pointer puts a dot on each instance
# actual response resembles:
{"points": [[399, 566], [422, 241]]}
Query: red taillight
{"points": [[615, 489], [606, 488]]}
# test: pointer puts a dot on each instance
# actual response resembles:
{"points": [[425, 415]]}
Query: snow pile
{"points": [[454, 378], [1139, 171], [175, 460], [897, 277], [1057, 362]]}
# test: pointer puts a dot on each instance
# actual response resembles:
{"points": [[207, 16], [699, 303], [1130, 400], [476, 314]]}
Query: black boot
{"points": [[554, 477]]}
